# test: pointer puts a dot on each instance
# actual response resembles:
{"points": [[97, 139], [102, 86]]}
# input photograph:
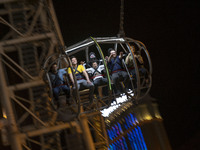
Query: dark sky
{"points": [[171, 31]]}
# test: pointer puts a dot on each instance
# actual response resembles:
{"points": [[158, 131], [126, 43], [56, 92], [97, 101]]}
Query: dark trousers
{"points": [[142, 72], [99, 82], [58, 89], [117, 77], [83, 84]]}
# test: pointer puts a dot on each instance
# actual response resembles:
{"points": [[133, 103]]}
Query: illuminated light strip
{"points": [[107, 111], [134, 134], [4, 115]]}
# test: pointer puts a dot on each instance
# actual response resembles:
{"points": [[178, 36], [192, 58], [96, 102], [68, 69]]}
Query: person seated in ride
{"points": [[97, 76], [92, 58], [117, 71], [58, 82], [140, 63], [82, 78]]}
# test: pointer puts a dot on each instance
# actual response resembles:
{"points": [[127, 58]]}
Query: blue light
{"points": [[125, 144], [141, 137], [120, 128], [109, 134], [132, 119], [113, 133], [132, 140], [117, 130], [110, 147], [127, 122]]}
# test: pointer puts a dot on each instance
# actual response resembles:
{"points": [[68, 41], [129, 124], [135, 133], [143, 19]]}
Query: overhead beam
{"points": [[27, 39], [52, 129], [7, 1], [22, 86]]}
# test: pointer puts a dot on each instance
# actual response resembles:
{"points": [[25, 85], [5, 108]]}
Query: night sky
{"points": [[171, 31]]}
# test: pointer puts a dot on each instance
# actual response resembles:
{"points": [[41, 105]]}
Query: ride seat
{"points": [[100, 88], [84, 96]]}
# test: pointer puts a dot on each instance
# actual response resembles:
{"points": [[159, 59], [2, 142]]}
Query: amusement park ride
{"points": [[30, 117]]}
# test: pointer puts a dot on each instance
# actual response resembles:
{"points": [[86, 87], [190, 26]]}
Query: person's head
{"points": [[54, 67], [74, 60], [92, 56], [94, 64], [113, 52]]}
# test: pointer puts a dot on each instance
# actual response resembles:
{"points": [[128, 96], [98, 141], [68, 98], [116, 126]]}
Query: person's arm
{"points": [[127, 60], [120, 55], [110, 57], [106, 60], [86, 76], [70, 75], [61, 73], [71, 78], [140, 59]]}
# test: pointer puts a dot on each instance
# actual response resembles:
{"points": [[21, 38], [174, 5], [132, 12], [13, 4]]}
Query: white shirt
{"points": [[96, 74]]}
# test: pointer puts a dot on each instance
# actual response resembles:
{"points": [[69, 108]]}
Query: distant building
{"points": [[138, 127]]}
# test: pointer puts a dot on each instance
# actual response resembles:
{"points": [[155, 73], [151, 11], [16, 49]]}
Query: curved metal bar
{"points": [[50, 86], [128, 72], [76, 85], [137, 94], [148, 56], [105, 65], [47, 68], [50, 91], [46, 61], [145, 50], [141, 47]]}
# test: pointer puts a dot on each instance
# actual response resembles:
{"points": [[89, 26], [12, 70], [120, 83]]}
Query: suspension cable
{"points": [[121, 32]]}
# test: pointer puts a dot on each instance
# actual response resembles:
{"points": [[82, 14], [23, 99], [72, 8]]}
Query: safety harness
{"points": [[57, 81], [96, 70], [111, 68], [79, 75]]}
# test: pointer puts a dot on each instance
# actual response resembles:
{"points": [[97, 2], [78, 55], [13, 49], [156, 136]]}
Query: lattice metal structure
{"points": [[30, 122]]}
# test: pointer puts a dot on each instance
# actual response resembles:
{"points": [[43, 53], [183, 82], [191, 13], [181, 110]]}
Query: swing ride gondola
{"points": [[140, 81], [140, 84]]}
